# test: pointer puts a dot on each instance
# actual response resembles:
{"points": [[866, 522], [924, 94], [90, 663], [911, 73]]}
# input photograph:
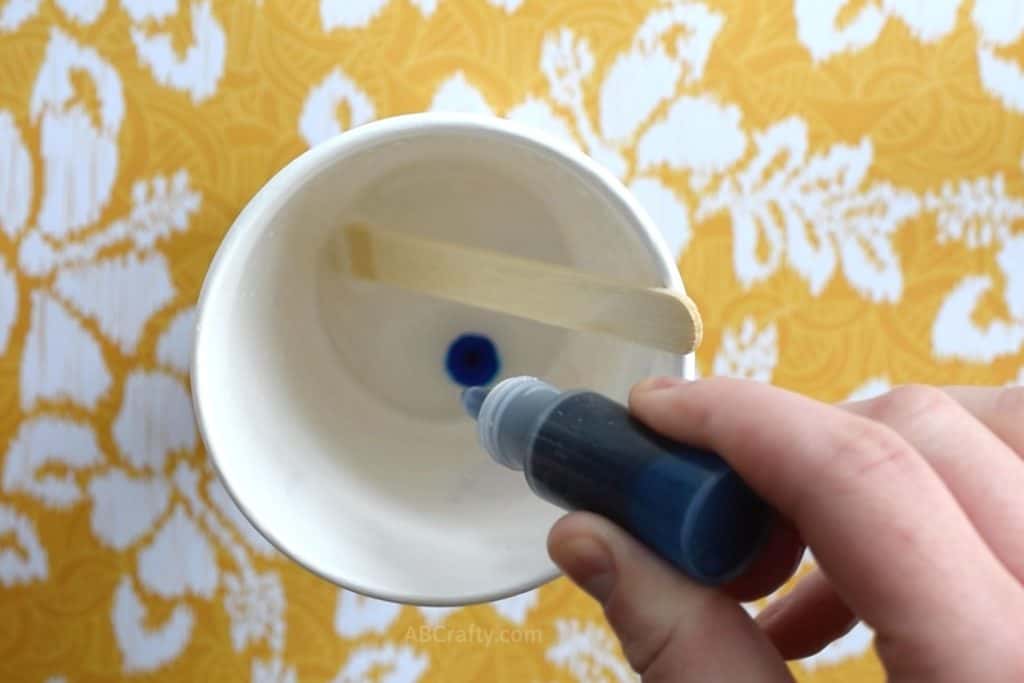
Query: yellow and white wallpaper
{"points": [[842, 180]]}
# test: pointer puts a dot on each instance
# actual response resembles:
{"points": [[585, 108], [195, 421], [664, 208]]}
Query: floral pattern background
{"points": [[842, 181]]}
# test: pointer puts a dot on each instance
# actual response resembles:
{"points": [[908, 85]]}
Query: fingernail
{"points": [[588, 563], [658, 383]]}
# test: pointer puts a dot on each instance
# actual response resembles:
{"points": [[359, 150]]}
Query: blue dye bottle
{"points": [[582, 451]]}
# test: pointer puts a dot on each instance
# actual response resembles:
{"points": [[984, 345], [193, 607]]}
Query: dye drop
{"points": [[472, 360], [582, 451]]}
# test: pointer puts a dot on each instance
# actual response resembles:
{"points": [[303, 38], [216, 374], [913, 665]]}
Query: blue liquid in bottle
{"points": [[583, 451]]}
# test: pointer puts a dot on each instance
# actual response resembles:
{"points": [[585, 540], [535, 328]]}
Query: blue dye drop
{"points": [[472, 360]]}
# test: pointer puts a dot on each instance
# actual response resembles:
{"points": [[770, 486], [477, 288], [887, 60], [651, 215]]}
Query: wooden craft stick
{"points": [[556, 295]]}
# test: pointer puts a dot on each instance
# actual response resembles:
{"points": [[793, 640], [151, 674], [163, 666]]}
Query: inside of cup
{"points": [[332, 405]]}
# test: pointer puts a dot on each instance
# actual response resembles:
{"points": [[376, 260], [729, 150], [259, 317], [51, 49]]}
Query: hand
{"points": [[913, 504]]}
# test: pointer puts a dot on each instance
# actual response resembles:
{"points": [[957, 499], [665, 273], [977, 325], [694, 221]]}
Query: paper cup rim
{"points": [[276, 191]]}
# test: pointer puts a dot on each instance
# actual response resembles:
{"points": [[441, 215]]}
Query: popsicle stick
{"points": [[556, 295]]}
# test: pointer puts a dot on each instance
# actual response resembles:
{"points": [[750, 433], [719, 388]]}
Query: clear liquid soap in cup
{"points": [[329, 404]]}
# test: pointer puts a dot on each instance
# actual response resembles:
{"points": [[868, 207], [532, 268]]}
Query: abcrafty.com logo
{"points": [[474, 635]]}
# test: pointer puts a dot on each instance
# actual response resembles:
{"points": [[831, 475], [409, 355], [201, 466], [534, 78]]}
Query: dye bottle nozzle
{"points": [[582, 451]]}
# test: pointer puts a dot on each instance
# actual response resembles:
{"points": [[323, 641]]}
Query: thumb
{"points": [[670, 629]]}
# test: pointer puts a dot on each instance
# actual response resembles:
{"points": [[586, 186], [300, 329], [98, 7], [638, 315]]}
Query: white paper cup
{"points": [[324, 402]]}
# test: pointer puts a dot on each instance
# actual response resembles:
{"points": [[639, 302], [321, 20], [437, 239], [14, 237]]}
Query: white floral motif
{"points": [[359, 13], [872, 388], [273, 671], [665, 209], [155, 420], [60, 360], [698, 133], [256, 605], [8, 304], [517, 607], [27, 561], [356, 615], [174, 350], [999, 24], [981, 213], [829, 218], [567, 62], [818, 22], [144, 648], [140, 10], [457, 95], [816, 212], [126, 507], [76, 185], [816, 27], [589, 653], [178, 562], [161, 207], [16, 12], [200, 69], [748, 353], [145, 496], [82, 11], [955, 332], [15, 177], [318, 120], [44, 440], [671, 46], [978, 212], [390, 663], [854, 644], [436, 615], [669, 50], [507, 5], [349, 14], [102, 291]]}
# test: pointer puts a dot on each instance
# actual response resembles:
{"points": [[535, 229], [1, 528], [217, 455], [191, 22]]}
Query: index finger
{"points": [[882, 524]]}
